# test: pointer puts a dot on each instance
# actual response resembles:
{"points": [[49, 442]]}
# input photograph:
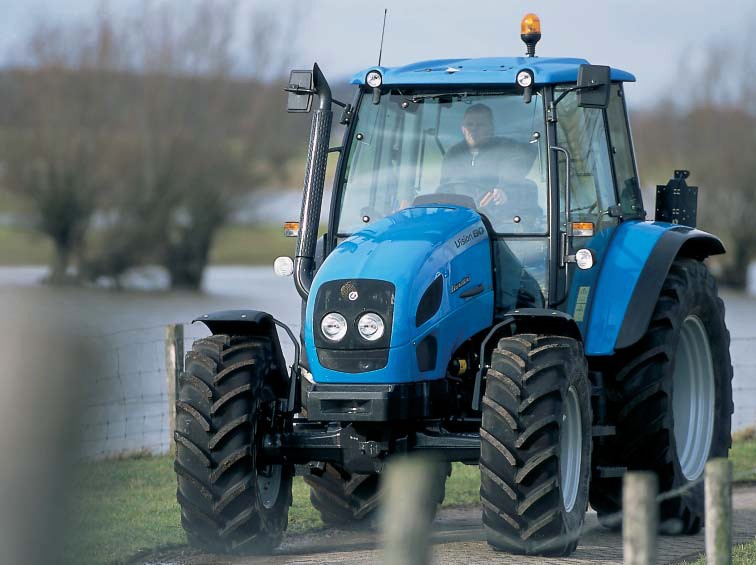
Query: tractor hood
{"points": [[425, 270]]}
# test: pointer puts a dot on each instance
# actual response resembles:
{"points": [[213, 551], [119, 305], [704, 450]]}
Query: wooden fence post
{"points": [[718, 529], [407, 512], [174, 365], [640, 520]]}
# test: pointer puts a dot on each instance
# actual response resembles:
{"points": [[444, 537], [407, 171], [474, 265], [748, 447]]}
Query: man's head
{"points": [[477, 125]]}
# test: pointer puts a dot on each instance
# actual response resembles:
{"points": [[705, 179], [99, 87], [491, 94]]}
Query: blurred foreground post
{"points": [[640, 518], [718, 526], [174, 365], [407, 513]]}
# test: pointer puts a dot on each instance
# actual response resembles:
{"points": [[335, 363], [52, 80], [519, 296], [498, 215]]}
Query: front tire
{"points": [[230, 502], [535, 445], [673, 404]]}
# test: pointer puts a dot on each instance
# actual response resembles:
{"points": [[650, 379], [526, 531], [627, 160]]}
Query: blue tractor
{"points": [[488, 290]]}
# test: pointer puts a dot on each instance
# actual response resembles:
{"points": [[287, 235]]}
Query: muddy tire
{"points": [[673, 403], [229, 502], [535, 445], [347, 500]]}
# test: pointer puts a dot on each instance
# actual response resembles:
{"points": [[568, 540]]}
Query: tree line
{"points": [[133, 139]]}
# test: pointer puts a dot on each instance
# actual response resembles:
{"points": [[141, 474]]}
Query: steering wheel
{"points": [[464, 187]]}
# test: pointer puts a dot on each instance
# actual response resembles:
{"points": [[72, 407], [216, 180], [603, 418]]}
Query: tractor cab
{"points": [[505, 137]]}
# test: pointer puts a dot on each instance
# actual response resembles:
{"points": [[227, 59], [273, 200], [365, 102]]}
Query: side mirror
{"points": [[300, 89], [593, 86]]}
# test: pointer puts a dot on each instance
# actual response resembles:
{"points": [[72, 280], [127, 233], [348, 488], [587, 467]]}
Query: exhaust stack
{"points": [[314, 181]]}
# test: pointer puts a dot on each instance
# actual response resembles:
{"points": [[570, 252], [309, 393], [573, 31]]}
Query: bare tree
{"points": [[714, 138], [150, 126], [53, 146]]}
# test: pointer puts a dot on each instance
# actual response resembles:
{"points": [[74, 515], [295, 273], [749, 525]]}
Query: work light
{"points": [[374, 79]]}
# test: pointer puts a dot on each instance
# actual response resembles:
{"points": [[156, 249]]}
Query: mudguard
{"points": [[632, 274], [253, 323]]}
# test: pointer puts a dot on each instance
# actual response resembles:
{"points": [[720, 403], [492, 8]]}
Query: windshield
{"points": [[483, 150]]}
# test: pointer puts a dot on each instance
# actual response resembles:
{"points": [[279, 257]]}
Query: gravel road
{"points": [[458, 538]]}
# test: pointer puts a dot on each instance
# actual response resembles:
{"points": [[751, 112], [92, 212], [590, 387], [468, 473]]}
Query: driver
{"points": [[484, 162]]}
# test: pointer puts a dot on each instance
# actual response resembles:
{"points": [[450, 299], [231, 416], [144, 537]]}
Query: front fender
{"points": [[631, 278], [252, 323]]}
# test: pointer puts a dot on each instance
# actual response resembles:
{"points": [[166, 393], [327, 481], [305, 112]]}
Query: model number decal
{"points": [[474, 233], [460, 284], [467, 237]]}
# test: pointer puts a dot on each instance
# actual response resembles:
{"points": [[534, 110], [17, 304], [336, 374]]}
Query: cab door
{"points": [[583, 133]]}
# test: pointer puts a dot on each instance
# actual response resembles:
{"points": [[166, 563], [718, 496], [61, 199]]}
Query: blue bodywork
{"points": [[410, 249], [491, 70]]}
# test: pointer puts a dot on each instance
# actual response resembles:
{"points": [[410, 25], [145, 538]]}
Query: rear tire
{"points": [[343, 499], [535, 445], [347, 500], [673, 403], [229, 502]]}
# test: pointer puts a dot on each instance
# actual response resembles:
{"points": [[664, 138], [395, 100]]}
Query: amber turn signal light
{"points": [[291, 229], [582, 229]]}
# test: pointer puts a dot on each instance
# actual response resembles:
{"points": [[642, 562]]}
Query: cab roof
{"points": [[489, 70]]}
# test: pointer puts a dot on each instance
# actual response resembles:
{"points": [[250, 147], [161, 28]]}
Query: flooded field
{"points": [[127, 406]]}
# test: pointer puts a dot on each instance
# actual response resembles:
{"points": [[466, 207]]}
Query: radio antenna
{"points": [[383, 34]]}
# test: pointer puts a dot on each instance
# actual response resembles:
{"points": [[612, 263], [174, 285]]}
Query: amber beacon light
{"points": [[530, 32]]}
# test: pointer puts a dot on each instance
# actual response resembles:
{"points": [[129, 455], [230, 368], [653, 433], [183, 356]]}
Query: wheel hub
{"points": [[570, 449], [269, 485], [693, 398]]}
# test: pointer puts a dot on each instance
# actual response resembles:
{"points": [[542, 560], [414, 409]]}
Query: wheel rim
{"points": [[693, 398], [570, 449], [269, 485]]}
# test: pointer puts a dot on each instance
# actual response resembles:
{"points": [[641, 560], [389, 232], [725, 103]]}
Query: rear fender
{"points": [[631, 278]]}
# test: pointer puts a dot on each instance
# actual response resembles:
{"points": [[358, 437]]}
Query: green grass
{"points": [[741, 554], [743, 456], [24, 247], [125, 506], [251, 245], [129, 505], [234, 245]]}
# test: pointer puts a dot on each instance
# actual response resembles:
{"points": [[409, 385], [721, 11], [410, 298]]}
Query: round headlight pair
{"points": [[370, 326]]}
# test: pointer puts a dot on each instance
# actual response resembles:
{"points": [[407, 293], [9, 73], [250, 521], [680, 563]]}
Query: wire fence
{"points": [[127, 408]]}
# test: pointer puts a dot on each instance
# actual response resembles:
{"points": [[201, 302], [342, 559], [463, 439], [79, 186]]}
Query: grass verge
{"points": [[129, 505], [234, 245]]}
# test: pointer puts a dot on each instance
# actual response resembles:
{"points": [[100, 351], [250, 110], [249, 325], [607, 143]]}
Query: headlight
{"points": [[334, 326], [371, 326]]}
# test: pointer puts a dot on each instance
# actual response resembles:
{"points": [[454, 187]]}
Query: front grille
{"points": [[357, 361]]}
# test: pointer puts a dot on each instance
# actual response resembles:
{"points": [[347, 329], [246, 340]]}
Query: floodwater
{"points": [[127, 406]]}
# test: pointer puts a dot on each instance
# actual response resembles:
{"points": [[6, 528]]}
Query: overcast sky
{"points": [[650, 38]]}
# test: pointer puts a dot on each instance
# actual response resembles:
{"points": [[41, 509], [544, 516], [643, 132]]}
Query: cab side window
{"points": [[625, 174], [582, 132]]}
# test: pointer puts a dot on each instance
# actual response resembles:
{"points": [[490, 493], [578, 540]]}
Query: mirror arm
{"points": [[296, 89], [552, 106]]}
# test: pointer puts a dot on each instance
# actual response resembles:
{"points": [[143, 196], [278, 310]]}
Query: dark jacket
{"points": [[499, 162]]}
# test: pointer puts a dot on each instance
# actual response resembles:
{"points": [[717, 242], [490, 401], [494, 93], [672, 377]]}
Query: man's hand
{"points": [[494, 196]]}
